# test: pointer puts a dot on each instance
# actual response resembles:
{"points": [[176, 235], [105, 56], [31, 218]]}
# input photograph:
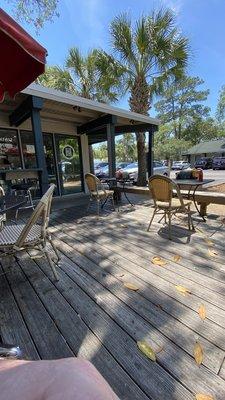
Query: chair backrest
{"points": [[93, 183], [161, 188], [42, 211]]}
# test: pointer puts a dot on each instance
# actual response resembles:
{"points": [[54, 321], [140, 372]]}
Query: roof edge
{"points": [[67, 98]]}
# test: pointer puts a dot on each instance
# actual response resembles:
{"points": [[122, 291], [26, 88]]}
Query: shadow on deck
{"points": [[90, 313]]}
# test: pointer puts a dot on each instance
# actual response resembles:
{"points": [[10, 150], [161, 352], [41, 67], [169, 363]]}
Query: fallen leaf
{"points": [[158, 261], [176, 258], [130, 286], [198, 353], [202, 312], [212, 253], [201, 396], [123, 226], [146, 350], [183, 290], [209, 242]]}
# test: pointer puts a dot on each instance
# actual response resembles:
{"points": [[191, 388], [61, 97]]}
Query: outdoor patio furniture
{"points": [[32, 235], [161, 189], [98, 192]]}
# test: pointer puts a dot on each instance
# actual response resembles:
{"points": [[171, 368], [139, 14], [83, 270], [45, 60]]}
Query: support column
{"points": [[111, 149], [38, 142], [150, 150]]}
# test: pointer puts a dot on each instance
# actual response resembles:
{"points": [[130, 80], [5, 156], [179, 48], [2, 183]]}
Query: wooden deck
{"points": [[89, 313]]}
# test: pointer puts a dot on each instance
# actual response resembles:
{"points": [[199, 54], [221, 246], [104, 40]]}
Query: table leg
{"points": [[125, 195], [195, 203]]}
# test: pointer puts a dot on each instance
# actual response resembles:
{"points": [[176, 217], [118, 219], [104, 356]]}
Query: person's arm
{"points": [[65, 379]]}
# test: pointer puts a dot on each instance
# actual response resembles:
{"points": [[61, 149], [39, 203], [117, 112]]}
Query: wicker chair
{"points": [[32, 235], [161, 189], [97, 192]]}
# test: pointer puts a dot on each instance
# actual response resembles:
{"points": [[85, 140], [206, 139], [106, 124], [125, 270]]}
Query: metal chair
{"points": [[161, 189], [97, 192], [32, 235]]}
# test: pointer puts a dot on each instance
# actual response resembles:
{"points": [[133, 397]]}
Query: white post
{"points": [[85, 158]]}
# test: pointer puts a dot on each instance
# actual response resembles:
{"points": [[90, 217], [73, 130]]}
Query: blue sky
{"points": [[84, 23]]}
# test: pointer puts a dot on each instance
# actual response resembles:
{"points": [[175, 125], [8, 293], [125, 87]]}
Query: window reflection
{"points": [[28, 149], [9, 149]]}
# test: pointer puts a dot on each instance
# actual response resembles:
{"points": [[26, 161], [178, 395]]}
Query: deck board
{"points": [[89, 312]]}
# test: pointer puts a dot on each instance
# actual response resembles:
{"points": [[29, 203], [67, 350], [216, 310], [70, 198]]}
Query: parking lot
{"points": [[217, 175]]}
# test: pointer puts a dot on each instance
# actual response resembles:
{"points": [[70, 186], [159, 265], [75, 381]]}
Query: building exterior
{"points": [[50, 131], [211, 148]]}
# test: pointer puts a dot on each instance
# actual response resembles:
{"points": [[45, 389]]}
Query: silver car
{"points": [[158, 169]]}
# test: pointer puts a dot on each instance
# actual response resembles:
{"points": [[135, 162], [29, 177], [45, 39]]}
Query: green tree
{"points": [[167, 147], [181, 104], [149, 51], [82, 77], [203, 129], [126, 148], [36, 12], [100, 151], [57, 78], [220, 111]]}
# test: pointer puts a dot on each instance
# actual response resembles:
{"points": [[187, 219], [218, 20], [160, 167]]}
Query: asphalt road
{"points": [[217, 175]]}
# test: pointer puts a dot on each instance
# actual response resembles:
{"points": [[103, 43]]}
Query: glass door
{"points": [[69, 164]]}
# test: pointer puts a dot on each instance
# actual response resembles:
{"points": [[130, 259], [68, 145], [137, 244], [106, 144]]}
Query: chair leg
{"points": [[43, 249], [89, 203], [113, 204], [169, 218], [98, 207], [151, 220], [54, 248]]}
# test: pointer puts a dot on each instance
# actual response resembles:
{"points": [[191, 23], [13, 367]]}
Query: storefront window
{"points": [[50, 158], [69, 164], [9, 149], [28, 149]]}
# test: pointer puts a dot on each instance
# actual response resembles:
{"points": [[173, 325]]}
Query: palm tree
{"points": [[150, 52], [82, 77], [57, 78]]}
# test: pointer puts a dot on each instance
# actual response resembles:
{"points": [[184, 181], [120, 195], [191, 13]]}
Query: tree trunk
{"points": [[139, 102], [91, 158]]}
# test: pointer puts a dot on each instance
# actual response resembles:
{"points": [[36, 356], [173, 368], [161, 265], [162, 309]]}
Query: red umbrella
{"points": [[22, 58]]}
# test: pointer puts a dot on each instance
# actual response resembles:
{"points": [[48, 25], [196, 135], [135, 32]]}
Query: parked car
{"points": [[99, 166], [158, 169], [104, 172], [218, 163], [178, 165], [204, 163]]}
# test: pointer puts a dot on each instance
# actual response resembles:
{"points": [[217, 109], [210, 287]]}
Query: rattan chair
{"points": [[32, 235], [162, 190], [97, 192]]}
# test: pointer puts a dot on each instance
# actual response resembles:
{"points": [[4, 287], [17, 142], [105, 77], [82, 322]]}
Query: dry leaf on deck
{"points": [[123, 226], [130, 286], [146, 350], [183, 290], [176, 258], [201, 396], [202, 312], [158, 261], [212, 253], [209, 242], [198, 353]]}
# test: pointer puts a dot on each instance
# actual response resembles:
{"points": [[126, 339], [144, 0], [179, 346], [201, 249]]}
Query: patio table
{"points": [[113, 184], [192, 185]]}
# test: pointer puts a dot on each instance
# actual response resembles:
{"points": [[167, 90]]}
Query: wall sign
{"points": [[68, 152]]}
